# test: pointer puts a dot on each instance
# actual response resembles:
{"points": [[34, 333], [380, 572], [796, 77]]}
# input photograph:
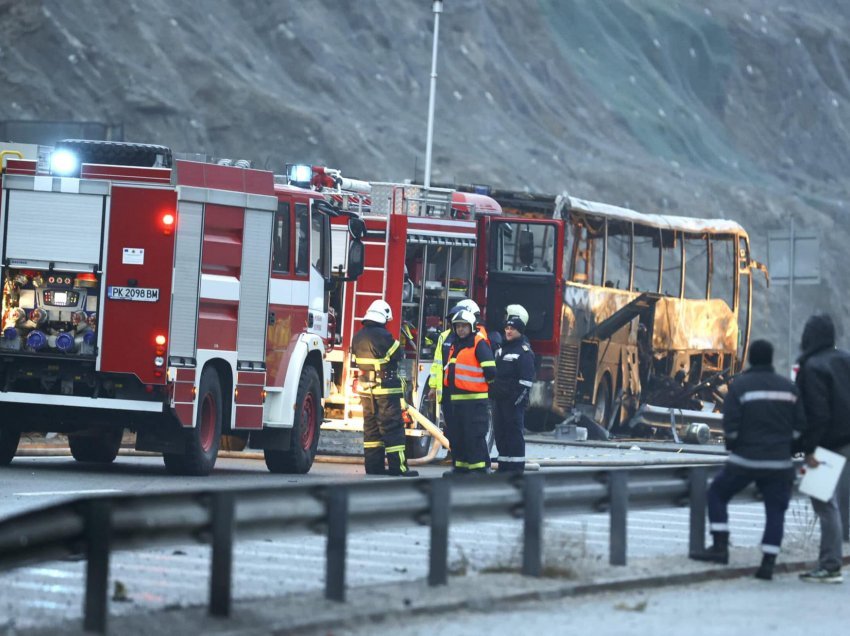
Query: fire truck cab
{"points": [[181, 300]]}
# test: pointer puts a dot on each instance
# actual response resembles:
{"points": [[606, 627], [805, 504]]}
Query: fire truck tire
{"points": [[202, 442], [102, 449], [298, 458], [8, 445], [117, 152]]}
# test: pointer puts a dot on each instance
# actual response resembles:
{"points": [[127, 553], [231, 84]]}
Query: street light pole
{"points": [[438, 9]]}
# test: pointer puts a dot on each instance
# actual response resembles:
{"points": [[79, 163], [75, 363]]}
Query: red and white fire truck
{"points": [[182, 300], [422, 248]]}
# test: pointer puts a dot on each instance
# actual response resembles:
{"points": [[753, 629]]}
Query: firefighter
{"points": [[470, 368], [514, 377], [376, 354]]}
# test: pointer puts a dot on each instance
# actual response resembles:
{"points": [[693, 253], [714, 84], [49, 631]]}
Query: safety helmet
{"points": [[470, 305], [379, 311], [464, 316], [516, 311]]}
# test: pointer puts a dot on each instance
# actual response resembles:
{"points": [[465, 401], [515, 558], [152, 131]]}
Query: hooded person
{"points": [[823, 378], [376, 353]]}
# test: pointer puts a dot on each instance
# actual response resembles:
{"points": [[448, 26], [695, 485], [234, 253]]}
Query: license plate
{"points": [[144, 294]]}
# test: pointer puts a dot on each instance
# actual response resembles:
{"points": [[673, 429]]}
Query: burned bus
{"points": [[632, 316]]}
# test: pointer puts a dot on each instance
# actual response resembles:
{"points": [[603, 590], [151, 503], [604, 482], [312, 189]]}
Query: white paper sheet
{"points": [[820, 482]]}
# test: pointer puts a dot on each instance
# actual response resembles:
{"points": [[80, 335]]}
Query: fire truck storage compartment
{"points": [[52, 231], [62, 227], [187, 271]]}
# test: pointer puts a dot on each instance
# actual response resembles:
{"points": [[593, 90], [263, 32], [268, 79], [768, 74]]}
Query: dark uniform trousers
{"points": [[383, 432], [508, 425], [467, 422], [775, 488]]}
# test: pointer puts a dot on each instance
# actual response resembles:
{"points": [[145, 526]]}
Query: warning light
{"points": [[168, 223], [160, 340]]}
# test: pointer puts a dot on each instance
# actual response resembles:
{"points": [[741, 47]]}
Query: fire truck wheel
{"points": [[203, 440], [102, 449], [298, 458], [8, 445]]}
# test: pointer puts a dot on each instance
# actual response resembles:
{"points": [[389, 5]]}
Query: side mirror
{"points": [[526, 248], [356, 227], [356, 257]]}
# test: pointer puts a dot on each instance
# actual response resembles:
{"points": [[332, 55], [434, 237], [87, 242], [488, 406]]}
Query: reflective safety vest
{"points": [[468, 374]]}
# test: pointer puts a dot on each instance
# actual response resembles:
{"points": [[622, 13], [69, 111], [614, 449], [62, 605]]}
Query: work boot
{"points": [[718, 552], [397, 464], [765, 571]]}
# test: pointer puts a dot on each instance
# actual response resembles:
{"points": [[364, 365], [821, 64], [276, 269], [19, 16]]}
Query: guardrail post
{"points": [[618, 498], [337, 512], [98, 530], [439, 499], [532, 543], [222, 512], [698, 493]]}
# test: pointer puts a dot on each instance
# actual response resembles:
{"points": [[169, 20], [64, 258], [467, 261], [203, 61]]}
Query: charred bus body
{"points": [[633, 316]]}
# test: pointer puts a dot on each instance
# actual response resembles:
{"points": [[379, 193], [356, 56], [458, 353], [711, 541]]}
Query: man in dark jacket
{"points": [[376, 354], [514, 378], [824, 382], [762, 416]]}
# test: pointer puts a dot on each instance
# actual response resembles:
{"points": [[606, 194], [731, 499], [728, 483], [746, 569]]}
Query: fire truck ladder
{"points": [[371, 286]]}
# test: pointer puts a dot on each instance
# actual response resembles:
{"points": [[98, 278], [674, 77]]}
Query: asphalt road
{"points": [[178, 576]]}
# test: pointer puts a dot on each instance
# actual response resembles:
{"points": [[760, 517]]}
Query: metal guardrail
{"points": [[94, 526]]}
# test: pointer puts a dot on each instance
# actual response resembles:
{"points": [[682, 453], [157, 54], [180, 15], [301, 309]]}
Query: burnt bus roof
{"points": [[551, 206]]}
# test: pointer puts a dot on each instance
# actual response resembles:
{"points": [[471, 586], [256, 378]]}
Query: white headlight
{"points": [[63, 162], [159, 361]]}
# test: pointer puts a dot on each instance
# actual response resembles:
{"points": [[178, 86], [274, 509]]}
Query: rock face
{"points": [[727, 108]]}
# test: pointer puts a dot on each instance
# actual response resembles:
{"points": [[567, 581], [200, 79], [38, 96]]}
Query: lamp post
{"points": [[438, 9]]}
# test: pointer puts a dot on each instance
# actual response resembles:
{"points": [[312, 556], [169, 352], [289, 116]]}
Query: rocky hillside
{"points": [[732, 108]]}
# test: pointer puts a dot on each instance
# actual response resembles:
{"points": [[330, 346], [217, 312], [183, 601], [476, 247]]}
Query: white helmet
{"points": [[379, 311], [464, 316], [469, 305], [516, 311]]}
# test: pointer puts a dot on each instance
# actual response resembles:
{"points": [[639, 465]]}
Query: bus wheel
{"points": [[203, 440], [8, 445], [298, 458], [602, 406], [101, 448]]}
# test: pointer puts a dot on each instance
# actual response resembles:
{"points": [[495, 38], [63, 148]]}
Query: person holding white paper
{"points": [[762, 416], [824, 382]]}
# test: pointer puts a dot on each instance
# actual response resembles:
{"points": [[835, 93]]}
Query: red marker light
{"points": [[160, 340], [167, 223]]}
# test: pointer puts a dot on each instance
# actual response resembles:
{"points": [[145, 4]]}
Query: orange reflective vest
{"points": [[469, 376]]}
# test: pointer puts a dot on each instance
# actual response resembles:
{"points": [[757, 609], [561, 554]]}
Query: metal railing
{"points": [[94, 526]]}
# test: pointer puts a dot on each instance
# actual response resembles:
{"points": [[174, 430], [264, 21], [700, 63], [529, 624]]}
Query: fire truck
{"points": [[421, 251], [182, 300]]}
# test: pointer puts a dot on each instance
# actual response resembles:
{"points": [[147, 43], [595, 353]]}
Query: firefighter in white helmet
{"points": [[514, 378], [469, 370], [376, 354], [435, 381]]}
